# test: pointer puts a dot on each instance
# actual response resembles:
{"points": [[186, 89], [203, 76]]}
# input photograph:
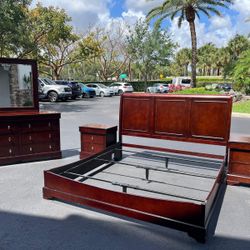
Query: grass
{"points": [[242, 107], [197, 91]]}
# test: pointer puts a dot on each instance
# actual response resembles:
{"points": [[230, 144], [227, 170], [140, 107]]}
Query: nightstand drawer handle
{"points": [[50, 147], [49, 124], [29, 125], [8, 127], [10, 151], [9, 139], [49, 136], [92, 137], [30, 137], [92, 148], [31, 149]]}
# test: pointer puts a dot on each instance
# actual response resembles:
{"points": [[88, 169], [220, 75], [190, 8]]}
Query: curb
{"points": [[241, 115]]}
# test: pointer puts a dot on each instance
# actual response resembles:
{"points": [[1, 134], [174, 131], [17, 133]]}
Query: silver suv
{"points": [[121, 87], [53, 91], [101, 89]]}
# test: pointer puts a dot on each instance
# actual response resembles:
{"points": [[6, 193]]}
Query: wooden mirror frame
{"points": [[33, 65]]}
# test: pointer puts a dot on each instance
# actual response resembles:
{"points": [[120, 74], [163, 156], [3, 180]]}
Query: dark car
{"points": [[76, 89], [225, 86], [87, 91]]}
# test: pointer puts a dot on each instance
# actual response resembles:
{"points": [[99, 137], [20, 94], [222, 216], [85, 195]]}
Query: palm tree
{"points": [[187, 10]]}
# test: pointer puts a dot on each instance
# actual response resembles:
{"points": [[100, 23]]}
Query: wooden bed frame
{"points": [[196, 119]]}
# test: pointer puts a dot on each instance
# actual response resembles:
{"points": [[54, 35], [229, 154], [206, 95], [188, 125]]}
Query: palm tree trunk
{"points": [[194, 52]]}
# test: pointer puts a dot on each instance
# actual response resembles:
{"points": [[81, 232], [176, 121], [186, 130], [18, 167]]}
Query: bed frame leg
{"points": [[118, 155], [46, 195], [199, 236]]}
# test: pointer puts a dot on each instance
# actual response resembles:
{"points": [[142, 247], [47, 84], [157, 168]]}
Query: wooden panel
{"points": [[136, 115], [209, 119], [97, 139], [240, 156], [166, 113], [40, 137], [201, 119], [7, 127], [8, 140], [239, 169], [8, 151]]}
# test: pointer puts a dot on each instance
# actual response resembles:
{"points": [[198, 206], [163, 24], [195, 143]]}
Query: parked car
{"points": [[158, 88], [100, 89], [121, 87], [225, 86], [87, 91], [182, 81], [50, 90], [76, 89]]}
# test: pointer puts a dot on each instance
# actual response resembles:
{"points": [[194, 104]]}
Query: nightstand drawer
{"points": [[93, 148], [239, 169], [97, 139], [240, 156]]}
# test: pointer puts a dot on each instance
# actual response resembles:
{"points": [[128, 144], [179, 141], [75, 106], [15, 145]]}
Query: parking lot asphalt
{"points": [[27, 221]]}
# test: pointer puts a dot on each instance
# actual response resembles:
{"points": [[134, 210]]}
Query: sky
{"points": [[104, 13]]}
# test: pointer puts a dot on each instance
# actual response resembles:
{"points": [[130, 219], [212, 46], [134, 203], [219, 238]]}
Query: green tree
{"points": [[187, 10], [148, 48], [13, 27], [183, 58], [241, 72], [206, 57]]}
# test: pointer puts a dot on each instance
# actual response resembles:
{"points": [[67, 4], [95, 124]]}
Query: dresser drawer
{"points": [[8, 140], [93, 148], [96, 139], [240, 156], [39, 148], [239, 169], [44, 125], [8, 151], [7, 128], [40, 137]]}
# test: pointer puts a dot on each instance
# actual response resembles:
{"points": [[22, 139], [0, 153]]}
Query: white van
{"points": [[184, 81]]}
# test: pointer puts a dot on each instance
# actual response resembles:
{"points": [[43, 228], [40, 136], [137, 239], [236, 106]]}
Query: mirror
{"points": [[17, 88]]}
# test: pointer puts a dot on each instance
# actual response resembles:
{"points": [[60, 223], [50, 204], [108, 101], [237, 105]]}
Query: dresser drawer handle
{"points": [[50, 147], [92, 137], [49, 136], [49, 124], [10, 151], [9, 139], [31, 149], [30, 137], [29, 125], [8, 127], [92, 148]]}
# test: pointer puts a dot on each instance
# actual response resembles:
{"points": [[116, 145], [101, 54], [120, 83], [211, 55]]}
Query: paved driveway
{"points": [[29, 222]]}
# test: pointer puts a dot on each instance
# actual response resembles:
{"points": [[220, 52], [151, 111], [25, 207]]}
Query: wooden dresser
{"points": [[26, 134], [95, 138], [239, 160], [29, 136]]}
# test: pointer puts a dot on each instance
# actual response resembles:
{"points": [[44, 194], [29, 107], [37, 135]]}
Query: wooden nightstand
{"points": [[239, 160], [95, 138]]}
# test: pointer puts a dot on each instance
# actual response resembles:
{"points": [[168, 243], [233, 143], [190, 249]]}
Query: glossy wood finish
{"points": [[29, 136], [154, 116], [96, 138], [239, 160], [201, 119]]}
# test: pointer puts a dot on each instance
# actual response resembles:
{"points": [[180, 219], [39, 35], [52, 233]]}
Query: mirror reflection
{"points": [[16, 85]]}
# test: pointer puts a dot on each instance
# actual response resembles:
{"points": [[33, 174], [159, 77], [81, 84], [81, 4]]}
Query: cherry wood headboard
{"points": [[189, 118]]}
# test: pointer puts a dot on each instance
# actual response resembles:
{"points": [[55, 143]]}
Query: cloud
{"points": [[142, 5], [84, 13], [218, 32]]}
